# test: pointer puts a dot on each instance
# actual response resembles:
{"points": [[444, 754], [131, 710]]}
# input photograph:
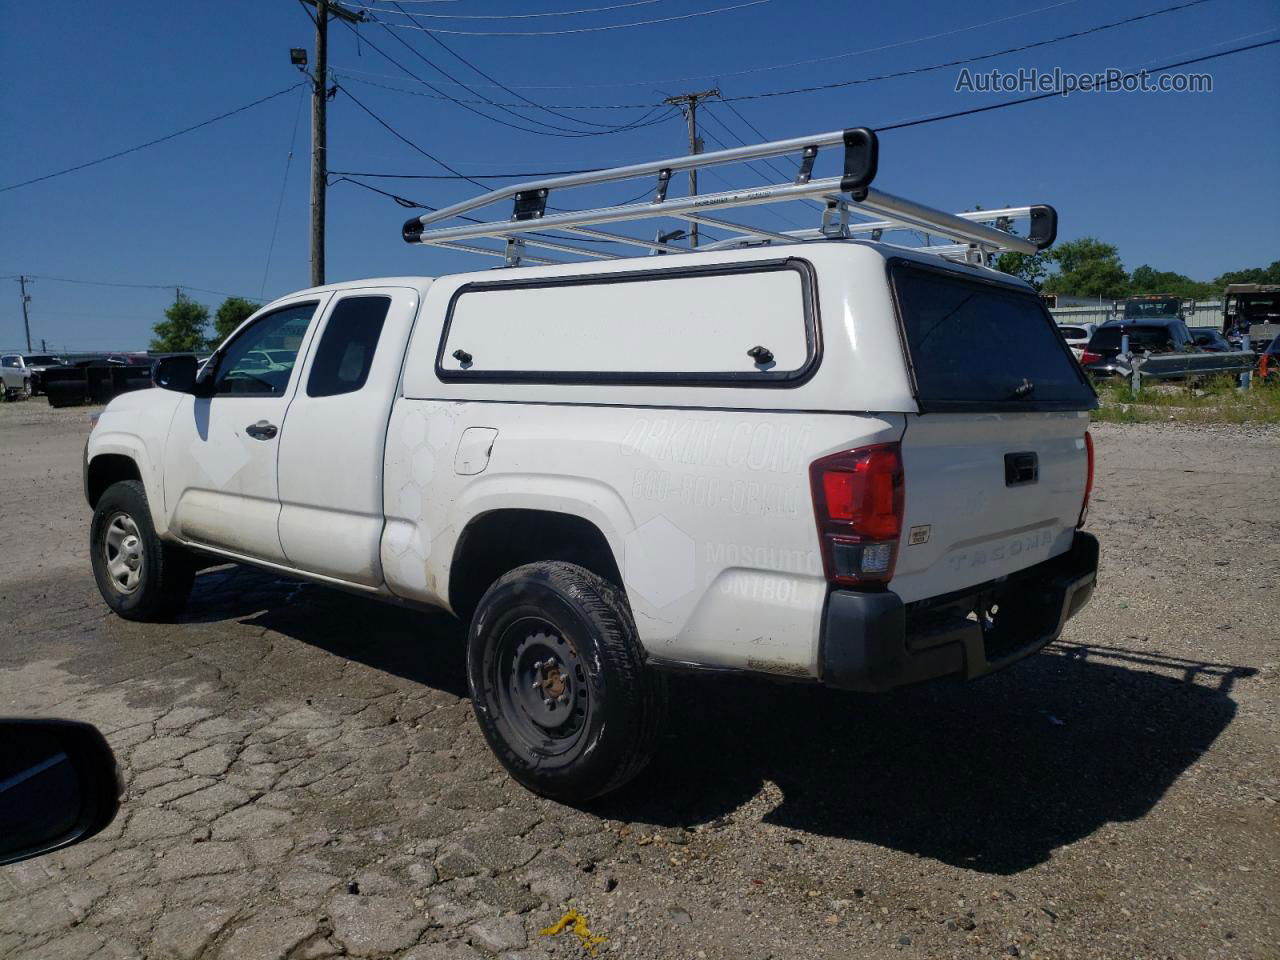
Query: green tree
{"points": [[1269, 274], [1031, 267], [184, 329], [1087, 268], [233, 312], [1147, 279]]}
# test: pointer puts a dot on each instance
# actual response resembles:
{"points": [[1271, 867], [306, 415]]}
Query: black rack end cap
{"points": [[1044, 226], [412, 230], [861, 159]]}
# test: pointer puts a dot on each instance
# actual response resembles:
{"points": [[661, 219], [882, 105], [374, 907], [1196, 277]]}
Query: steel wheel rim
{"points": [[541, 682], [122, 552]]}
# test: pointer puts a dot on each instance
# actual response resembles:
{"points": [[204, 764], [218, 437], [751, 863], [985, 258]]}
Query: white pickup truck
{"points": [[844, 462]]}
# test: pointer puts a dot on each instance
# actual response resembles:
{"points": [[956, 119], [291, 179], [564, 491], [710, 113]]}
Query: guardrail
{"points": [[1164, 366]]}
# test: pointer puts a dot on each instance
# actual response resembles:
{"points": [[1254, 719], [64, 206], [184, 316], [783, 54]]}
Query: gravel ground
{"points": [[305, 779]]}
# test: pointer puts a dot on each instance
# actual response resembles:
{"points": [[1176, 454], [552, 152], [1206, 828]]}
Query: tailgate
{"points": [[987, 494]]}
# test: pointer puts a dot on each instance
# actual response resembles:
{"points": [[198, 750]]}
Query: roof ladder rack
{"points": [[850, 207]]}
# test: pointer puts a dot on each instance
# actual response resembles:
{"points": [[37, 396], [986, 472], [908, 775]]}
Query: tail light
{"points": [[857, 500], [1088, 356], [1088, 479]]}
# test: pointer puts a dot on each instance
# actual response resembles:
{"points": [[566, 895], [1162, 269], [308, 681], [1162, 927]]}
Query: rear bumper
{"points": [[875, 642]]}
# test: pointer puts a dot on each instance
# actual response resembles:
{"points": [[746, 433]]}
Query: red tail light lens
{"points": [[857, 501], [1087, 357], [1088, 479]]}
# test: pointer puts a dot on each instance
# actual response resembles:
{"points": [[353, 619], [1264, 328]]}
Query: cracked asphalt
{"points": [[305, 779]]}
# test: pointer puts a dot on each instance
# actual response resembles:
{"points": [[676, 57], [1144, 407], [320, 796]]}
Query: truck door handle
{"points": [[261, 430]]}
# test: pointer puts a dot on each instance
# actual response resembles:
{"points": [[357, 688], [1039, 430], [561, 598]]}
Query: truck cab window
{"points": [[346, 349], [260, 361]]}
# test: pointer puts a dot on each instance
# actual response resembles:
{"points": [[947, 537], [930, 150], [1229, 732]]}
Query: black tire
{"points": [[165, 573], [25, 392], [591, 723]]}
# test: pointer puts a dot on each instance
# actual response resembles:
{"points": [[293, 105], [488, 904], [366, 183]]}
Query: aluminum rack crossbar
{"points": [[848, 195]]}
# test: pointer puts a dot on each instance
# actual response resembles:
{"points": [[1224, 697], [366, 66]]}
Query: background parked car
{"points": [[15, 377], [1077, 336], [1211, 339], [1164, 335]]}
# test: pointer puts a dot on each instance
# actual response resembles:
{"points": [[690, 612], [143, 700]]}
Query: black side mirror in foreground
{"points": [[175, 373], [59, 784]]}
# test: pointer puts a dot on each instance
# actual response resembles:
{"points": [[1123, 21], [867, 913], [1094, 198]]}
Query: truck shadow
{"points": [[990, 776], [424, 647]]}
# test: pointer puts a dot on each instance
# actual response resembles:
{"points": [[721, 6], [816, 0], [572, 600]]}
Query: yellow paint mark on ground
{"points": [[577, 924]]}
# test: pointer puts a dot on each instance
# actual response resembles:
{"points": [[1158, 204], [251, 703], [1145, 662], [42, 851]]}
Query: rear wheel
{"points": [[558, 681], [139, 576]]}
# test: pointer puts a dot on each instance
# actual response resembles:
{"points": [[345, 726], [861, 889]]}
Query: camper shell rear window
{"points": [[745, 324], [975, 344]]}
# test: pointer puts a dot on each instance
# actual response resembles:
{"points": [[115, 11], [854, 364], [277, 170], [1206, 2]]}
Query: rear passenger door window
{"points": [[347, 346]]}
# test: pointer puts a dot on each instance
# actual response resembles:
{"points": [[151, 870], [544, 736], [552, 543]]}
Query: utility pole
{"points": [[688, 102], [26, 321], [319, 136]]}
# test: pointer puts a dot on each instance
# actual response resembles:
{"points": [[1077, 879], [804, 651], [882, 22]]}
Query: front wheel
{"points": [[558, 681], [139, 576]]}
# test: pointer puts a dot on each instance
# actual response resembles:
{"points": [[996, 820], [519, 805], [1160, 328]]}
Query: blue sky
{"points": [[1182, 182]]}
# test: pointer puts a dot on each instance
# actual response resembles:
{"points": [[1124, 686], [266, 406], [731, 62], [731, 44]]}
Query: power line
{"points": [[284, 182], [487, 101], [928, 119], [642, 122], [457, 56], [673, 81], [874, 78], [1045, 96], [136, 286], [965, 60], [399, 136], [516, 16], [742, 142], [503, 107], [151, 143], [899, 125], [751, 126], [866, 50], [596, 29], [405, 140]]}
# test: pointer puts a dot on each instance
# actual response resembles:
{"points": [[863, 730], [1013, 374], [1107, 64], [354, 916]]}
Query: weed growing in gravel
{"points": [[1211, 401]]}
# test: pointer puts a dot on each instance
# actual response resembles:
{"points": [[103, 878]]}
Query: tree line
{"points": [[1088, 267]]}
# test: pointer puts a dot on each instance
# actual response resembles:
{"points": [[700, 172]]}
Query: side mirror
{"points": [[58, 785], [175, 373]]}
